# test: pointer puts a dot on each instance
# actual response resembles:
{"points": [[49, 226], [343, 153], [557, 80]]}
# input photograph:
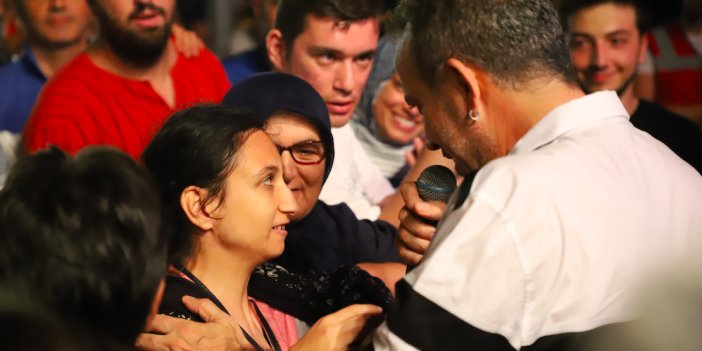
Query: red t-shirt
{"points": [[86, 105]]}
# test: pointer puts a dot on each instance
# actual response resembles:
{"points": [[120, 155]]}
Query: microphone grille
{"points": [[436, 183]]}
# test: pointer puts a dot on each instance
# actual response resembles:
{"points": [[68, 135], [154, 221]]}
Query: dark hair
{"points": [[195, 147], [514, 41], [84, 235], [291, 15], [569, 8]]}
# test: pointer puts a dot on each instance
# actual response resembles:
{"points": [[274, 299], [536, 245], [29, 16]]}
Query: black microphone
{"points": [[436, 183]]}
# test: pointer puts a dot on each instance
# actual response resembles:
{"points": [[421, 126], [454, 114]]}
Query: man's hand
{"points": [[219, 332], [411, 156], [186, 42], [337, 330], [415, 231]]}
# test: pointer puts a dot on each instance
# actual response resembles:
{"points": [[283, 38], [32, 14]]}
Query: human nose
{"points": [[412, 111], [598, 56], [287, 204], [289, 166], [57, 4], [344, 77]]}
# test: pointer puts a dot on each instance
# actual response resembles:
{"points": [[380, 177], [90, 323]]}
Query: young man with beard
{"points": [[122, 88], [607, 43]]}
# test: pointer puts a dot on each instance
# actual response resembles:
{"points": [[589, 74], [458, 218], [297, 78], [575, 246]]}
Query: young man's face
{"points": [[335, 58], [606, 46]]}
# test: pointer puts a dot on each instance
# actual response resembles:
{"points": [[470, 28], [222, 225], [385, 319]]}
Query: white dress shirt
{"points": [[555, 236]]}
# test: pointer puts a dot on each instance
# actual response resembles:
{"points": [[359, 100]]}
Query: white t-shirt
{"points": [[354, 178], [554, 237]]}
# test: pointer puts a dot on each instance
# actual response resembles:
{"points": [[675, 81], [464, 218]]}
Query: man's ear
{"points": [[193, 201], [275, 47], [467, 80]]}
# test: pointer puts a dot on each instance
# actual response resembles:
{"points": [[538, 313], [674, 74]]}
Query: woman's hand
{"points": [[337, 330], [175, 334]]}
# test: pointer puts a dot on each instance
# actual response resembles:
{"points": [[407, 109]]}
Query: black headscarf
{"points": [[267, 93]]}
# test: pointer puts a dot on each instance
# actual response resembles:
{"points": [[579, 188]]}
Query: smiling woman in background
{"points": [[384, 123]]}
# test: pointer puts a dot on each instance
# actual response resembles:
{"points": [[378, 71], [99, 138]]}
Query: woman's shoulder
{"points": [[172, 302]]}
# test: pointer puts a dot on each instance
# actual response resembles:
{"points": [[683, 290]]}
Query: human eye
{"points": [[578, 43], [268, 180], [618, 41], [365, 59], [326, 58]]}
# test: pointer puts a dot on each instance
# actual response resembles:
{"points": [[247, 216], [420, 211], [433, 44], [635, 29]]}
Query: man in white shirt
{"points": [[331, 45], [570, 208]]}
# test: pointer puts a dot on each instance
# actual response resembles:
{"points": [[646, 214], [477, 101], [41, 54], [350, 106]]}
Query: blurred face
{"points": [[335, 58], [305, 181], [606, 47], [256, 203], [397, 122], [56, 23], [137, 30], [468, 143]]}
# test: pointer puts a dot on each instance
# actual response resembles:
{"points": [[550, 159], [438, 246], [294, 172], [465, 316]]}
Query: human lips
{"points": [[59, 19], [340, 107], [405, 124], [148, 18], [280, 230]]}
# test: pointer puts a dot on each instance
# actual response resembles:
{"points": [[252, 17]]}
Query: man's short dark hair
{"points": [[291, 15], [568, 8], [512, 40], [84, 236]]}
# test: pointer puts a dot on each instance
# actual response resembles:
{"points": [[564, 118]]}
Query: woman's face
{"points": [[305, 181], [255, 204], [397, 122]]}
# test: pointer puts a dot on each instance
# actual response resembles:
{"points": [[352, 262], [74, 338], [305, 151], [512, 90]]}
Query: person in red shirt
{"points": [[123, 87]]}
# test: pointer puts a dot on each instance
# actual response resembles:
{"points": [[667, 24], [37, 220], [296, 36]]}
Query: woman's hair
{"points": [[195, 147]]}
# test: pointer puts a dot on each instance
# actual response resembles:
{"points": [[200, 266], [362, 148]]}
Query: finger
{"points": [[415, 225], [351, 312], [418, 145], [410, 257], [204, 308], [146, 341], [162, 324], [409, 193], [151, 342], [410, 158], [413, 243]]}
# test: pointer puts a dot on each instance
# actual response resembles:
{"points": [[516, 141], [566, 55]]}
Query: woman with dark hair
{"points": [[222, 187], [321, 237]]}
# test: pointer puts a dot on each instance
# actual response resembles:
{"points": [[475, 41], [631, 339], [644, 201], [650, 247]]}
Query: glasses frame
{"points": [[306, 142]]}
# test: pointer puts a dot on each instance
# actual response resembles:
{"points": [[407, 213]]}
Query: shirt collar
{"points": [[569, 116], [31, 61]]}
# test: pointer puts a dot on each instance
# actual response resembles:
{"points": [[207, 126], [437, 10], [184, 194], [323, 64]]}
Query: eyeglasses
{"points": [[305, 153]]}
